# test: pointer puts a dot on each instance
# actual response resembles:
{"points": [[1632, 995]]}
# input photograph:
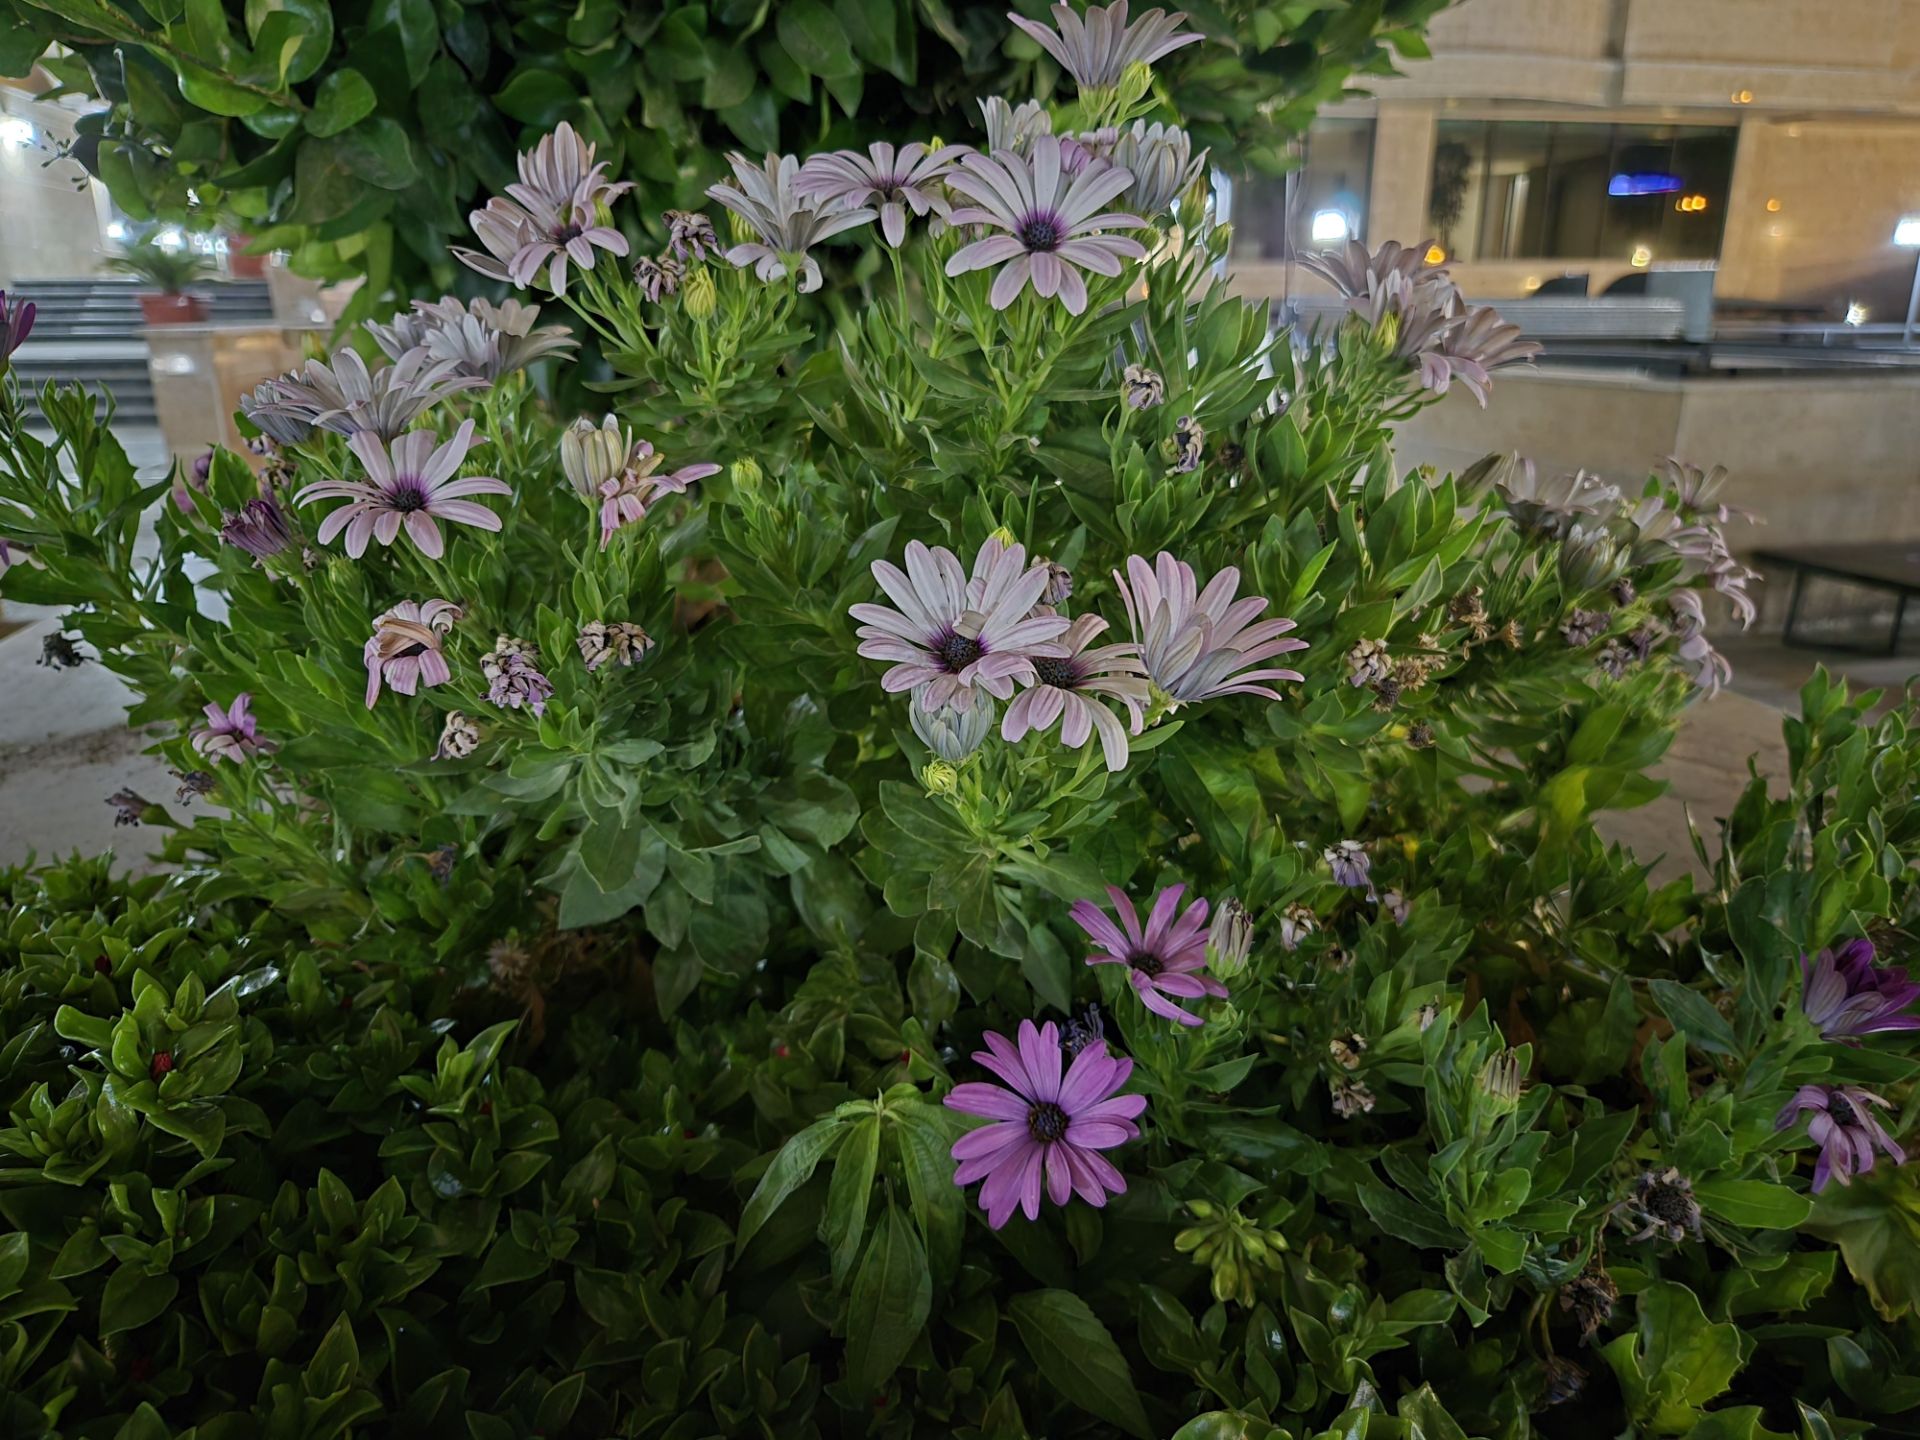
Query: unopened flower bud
{"points": [[952, 735], [936, 143], [1500, 1082], [1004, 536], [1230, 940], [591, 455], [699, 296], [740, 229], [1135, 81], [1387, 332], [747, 475], [939, 777]]}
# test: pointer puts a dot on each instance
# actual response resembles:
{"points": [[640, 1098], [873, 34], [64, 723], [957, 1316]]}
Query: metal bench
{"points": [[1892, 567]]}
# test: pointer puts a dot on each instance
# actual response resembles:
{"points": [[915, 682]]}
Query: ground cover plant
{"points": [[983, 862]]}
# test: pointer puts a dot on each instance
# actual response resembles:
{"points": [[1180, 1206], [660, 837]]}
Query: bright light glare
{"points": [[16, 132], [1641, 257], [1856, 314], [1907, 232], [1330, 225], [169, 239], [117, 230]]}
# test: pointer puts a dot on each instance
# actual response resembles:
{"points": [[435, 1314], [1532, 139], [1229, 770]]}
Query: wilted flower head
{"points": [[1562, 1380], [1197, 643], [231, 734], [1067, 688], [129, 806], [1097, 48], [951, 635], [1187, 446], [459, 737], [690, 235], [885, 180], [1398, 907], [1662, 1204], [1582, 627], [658, 277], [1297, 922], [259, 527], [1590, 1296], [1164, 959], [1844, 1127], [1084, 1030], [513, 676], [789, 224], [1048, 1128], [1162, 163], [193, 785], [1052, 223], [553, 216], [1350, 1097], [1142, 388], [58, 652], [1347, 1050], [345, 397], [1708, 668], [1846, 995], [409, 483], [405, 649], [1550, 507], [478, 339], [1368, 662], [1350, 864], [1011, 128], [952, 735], [16, 323], [620, 641]]}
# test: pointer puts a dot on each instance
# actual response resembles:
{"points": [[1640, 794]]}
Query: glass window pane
{"points": [[1457, 188], [1329, 195], [1513, 212], [1573, 198]]}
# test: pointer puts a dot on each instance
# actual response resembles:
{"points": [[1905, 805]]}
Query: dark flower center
{"points": [[407, 497], [957, 651], [1042, 231], [567, 233], [1670, 1203], [1146, 962], [414, 649], [1842, 1111], [1046, 1122], [1061, 674]]}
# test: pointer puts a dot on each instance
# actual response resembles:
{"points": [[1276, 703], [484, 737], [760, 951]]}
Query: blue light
{"points": [[1643, 183]]}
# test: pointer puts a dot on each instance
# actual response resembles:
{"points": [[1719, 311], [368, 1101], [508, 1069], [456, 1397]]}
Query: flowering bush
{"points": [[890, 1056]]}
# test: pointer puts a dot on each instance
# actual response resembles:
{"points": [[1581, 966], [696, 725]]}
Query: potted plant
{"points": [[169, 271]]}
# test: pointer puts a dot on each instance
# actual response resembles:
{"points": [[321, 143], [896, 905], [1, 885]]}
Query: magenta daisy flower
{"points": [[1053, 222], [1198, 643], [1846, 995], [409, 484], [1067, 686], [405, 649], [1844, 1127], [884, 179], [1164, 960], [231, 734], [952, 634], [1047, 1126], [16, 323]]}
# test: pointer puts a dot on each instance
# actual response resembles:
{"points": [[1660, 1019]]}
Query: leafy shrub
{"points": [[1412, 1110], [359, 136]]}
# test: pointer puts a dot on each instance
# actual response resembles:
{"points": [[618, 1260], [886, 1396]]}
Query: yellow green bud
{"points": [[1135, 81], [699, 295], [1004, 536], [939, 777], [747, 474]]}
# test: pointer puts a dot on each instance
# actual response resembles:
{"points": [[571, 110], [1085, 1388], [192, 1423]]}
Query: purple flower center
{"points": [[1062, 674], [407, 496], [1046, 1122], [1842, 1111], [1146, 962], [957, 651], [567, 233], [1042, 230]]}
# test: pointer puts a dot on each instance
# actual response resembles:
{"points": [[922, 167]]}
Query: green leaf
{"points": [[133, 1297], [925, 1136], [1078, 1358], [845, 1223], [892, 1297], [792, 1167], [1876, 1223], [416, 27], [540, 99], [312, 30], [1690, 1012], [815, 39], [379, 152], [344, 100], [1675, 1361], [1756, 1204]]}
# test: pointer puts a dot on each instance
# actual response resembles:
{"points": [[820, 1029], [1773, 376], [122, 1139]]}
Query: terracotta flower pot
{"points": [[173, 309], [242, 266]]}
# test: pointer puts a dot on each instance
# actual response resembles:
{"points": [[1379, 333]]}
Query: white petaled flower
{"points": [[888, 180], [347, 398], [1053, 225], [477, 339], [1068, 687], [952, 636], [952, 735], [410, 484], [788, 224], [1097, 48], [553, 217], [1162, 162], [1014, 128], [1198, 643]]}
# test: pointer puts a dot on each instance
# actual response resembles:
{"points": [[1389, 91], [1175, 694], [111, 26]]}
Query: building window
{"points": [[1551, 190], [1328, 196]]}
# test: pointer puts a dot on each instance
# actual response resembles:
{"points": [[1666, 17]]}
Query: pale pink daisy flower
{"points": [[409, 484], [625, 498], [888, 180], [1048, 1128], [1163, 960], [1053, 222], [405, 649], [231, 734], [1198, 643], [1065, 689], [551, 217], [1097, 48], [951, 634]]}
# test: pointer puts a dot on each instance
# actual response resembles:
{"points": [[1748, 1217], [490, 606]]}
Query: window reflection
{"points": [[1329, 195]]}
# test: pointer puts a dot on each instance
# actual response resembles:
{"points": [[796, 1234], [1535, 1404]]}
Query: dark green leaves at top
{"points": [[344, 100], [1078, 1358], [815, 39]]}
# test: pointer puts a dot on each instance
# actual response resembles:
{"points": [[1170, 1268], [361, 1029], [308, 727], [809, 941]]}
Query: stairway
{"points": [[90, 331]]}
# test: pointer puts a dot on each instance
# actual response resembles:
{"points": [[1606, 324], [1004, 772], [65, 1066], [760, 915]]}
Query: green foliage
{"points": [[170, 271], [359, 136]]}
